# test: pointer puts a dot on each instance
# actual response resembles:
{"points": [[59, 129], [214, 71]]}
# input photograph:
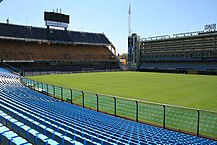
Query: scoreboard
{"points": [[51, 16], [56, 19]]}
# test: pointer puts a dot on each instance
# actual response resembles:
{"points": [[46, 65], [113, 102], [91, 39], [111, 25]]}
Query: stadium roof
{"points": [[29, 33]]}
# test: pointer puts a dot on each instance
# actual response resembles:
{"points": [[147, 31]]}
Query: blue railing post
{"points": [[137, 111], [61, 93], [37, 83], [34, 85], [97, 102], [164, 116], [54, 91], [47, 89], [198, 122], [115, 113], [27, 82], [42, 85], [82, 98], [71, 96]]}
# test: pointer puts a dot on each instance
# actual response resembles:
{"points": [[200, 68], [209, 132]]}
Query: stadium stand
{"points": [[187, 52], [43, 52], [50, 35], [41, 49], [39, 119]]}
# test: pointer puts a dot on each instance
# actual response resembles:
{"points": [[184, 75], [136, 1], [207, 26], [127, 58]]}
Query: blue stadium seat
{"points": [[8, 137]]}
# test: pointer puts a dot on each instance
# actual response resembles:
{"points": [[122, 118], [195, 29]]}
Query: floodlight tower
{"points": [[129, 20], [133, 46]]}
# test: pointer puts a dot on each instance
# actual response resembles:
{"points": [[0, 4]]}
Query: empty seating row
{"points": [[25, 128], [18, 51], [52, 123], [25, 131], [29, 32], [61, 121], [8, 137], [200, 66]]}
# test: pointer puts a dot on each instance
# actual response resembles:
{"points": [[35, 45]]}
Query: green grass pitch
{"points": [[194, 91]]}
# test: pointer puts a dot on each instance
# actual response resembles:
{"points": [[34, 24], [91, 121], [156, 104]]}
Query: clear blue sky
{"points": [[149, 17]]}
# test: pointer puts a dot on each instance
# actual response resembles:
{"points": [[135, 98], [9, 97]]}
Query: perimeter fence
{"points": [[194, 121]]}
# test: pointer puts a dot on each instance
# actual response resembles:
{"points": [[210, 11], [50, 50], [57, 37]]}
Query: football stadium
{"points": [[63, 87]]}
